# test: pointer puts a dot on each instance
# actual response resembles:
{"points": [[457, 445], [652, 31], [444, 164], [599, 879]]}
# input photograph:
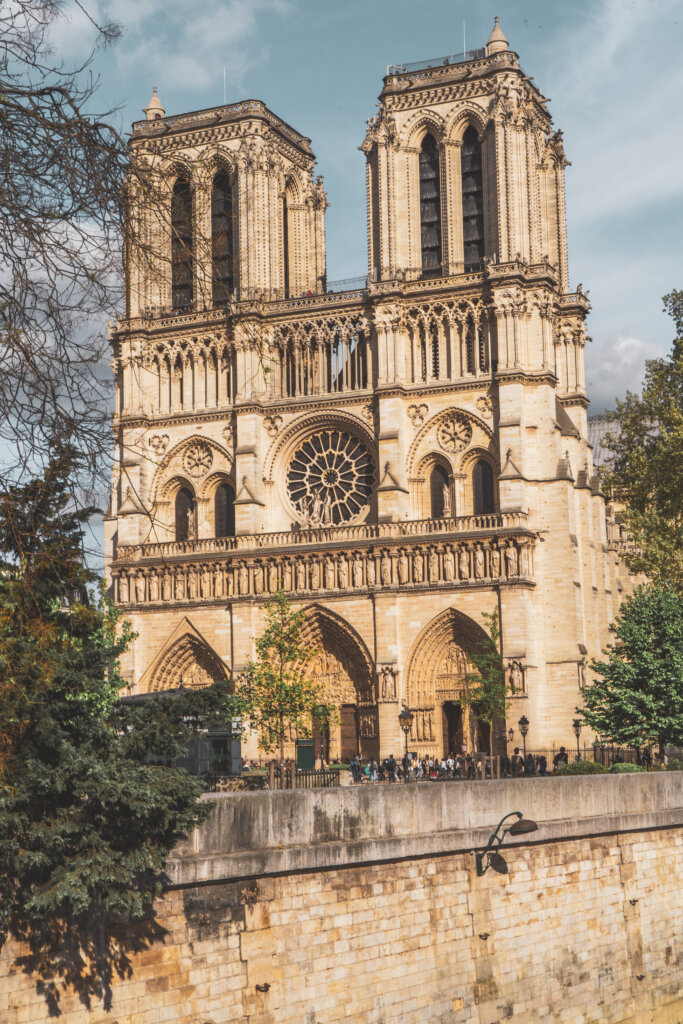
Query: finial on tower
{"points": [[154, 110], [497, 41]]}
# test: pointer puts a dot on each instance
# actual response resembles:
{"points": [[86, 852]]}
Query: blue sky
{"points": [[612, 69]]}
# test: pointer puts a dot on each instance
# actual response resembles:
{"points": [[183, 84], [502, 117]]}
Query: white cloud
{"points": [[615, 365]]}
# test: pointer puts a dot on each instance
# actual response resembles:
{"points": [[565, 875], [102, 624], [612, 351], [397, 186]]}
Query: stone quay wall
{"points": [[363, 905]]}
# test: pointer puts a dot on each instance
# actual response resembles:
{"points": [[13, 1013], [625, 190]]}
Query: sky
{"points": [[611, 68]]}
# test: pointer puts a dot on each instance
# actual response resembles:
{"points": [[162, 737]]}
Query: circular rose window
{"points": [[330, 478]]}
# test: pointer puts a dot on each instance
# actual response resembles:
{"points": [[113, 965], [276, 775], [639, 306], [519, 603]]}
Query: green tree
{"points": [[488, 690], [276, 687], [646, 467], [88, 811], [637, 698]]}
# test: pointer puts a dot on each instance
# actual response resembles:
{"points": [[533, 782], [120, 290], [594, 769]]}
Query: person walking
{"points": [[560, 759], [355, 768], [391, 768], [516, 764], [530, 765]]}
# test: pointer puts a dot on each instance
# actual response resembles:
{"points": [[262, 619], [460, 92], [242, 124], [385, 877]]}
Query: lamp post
{"points": [[523, 728], [577, 732], [520, 827], [406, 721], [511, 734]]}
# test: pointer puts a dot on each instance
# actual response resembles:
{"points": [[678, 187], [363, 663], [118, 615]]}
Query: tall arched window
{"points": [[472, 200], [184, 514], [439, 493], [182, 256], [224, 511], [222, 248], [430, 206], [482, 486]]}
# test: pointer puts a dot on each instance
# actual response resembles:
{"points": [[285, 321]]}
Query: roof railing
{"points": [[436, 62]]}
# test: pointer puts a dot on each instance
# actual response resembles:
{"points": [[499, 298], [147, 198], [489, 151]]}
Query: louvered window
{"points": [[182, 256], [430, 207], [223, 277], [472, 200]]}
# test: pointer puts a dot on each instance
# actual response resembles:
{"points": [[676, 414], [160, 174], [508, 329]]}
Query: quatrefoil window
{"points": [[330, 478]]}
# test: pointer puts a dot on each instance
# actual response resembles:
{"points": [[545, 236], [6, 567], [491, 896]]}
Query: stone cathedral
{"points": [[400, 454]]}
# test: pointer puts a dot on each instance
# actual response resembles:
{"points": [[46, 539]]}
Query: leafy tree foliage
{"points": [[276, 688], [646, 468], [488, 690], [88, 810], [637, 698]]}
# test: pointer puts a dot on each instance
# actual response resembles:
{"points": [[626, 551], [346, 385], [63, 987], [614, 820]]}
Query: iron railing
{"points": [[348, 284], [436, 62]]}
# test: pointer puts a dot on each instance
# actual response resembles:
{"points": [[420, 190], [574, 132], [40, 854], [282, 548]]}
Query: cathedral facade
{"points": [[402, 456]]}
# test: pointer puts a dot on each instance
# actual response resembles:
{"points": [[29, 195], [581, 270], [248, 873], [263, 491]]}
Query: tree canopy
{"points": [[646, 466], [90, 804], [282, 699], [637, 698], [488, 687]]}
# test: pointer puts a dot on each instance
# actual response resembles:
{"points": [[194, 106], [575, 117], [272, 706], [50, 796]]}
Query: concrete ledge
{"points": [[256, 834]]}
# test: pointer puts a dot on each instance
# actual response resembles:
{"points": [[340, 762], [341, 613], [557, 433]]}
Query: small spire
{"points": [[154, 110], [497, 41]]}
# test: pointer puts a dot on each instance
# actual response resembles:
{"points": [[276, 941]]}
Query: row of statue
{"points": [[389, 567]]}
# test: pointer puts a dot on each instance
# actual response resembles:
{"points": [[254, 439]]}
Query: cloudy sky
{"points": [[612, 69]]}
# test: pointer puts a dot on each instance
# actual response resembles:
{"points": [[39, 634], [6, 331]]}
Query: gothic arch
{"points": [[439, 659], [306, 424], [416, 449], [343, 662], [421, 124], [458, 123], [173, 465], [186, 660]]}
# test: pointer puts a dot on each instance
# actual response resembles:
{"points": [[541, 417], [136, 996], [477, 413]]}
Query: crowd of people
{"points": [[464, 765]]}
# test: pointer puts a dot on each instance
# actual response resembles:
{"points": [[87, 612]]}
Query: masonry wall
{"points": [[363, 905]]}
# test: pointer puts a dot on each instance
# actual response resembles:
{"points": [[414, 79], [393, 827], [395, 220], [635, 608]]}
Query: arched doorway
{"points": [[439, 688], [344, 667]]}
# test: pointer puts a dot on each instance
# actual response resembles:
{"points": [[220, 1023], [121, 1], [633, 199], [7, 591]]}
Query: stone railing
{"points": [[400, 563], [325, 535]]}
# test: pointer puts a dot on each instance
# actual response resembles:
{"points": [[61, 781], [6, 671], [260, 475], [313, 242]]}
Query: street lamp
{"points": [[577, 731], [494, 860], [524, 728], [406, 721], [511, 734]]}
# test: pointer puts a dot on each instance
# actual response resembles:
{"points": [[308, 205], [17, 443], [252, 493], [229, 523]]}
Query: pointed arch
{"points": [[344, 662], [187, 660], [439, 659]]}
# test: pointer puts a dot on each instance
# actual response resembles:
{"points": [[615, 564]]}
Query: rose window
{"points": [[198, 459], [330, 478], [455, 433]]}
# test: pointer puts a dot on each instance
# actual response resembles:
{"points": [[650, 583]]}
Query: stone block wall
{"points": [[364, 906]]}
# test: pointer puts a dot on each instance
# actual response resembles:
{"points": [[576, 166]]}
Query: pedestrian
{"points": [[391, 767], [355, 768], [542, 763], [374, 768], [530, 765], [504, 766], [516, 764], [560, 759]]}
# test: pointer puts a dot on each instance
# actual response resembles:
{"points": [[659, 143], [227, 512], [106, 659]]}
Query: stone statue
{"points": [[403, 569], [516, 677], [418, 567], [449, 565], [315, 575], [511, 560], [479, 563], [243, 579], [495, 563], [258, 578], [343, 573], [272, 577], [154, 587], [123, 589], [302, 508], [446, 501], [139, 588], [300, 575], [287, 577], [167, 588], [370, 570], [329, 574], [433, 566], [388, 679], [205, 581], [358, 571], [192, 585], [326, 513], [464, 564], [179, 587], [582, 673], [218, 583], [189, 523], [315, 510], [385, 569]]}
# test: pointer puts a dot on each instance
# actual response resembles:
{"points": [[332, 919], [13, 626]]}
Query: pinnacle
{"points": [[154, 109], [496, 41]]}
